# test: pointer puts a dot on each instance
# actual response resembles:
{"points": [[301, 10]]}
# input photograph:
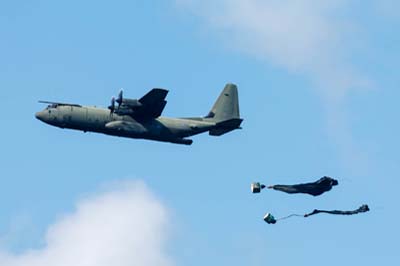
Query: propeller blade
{"points": [[112, 106], [120, 97]]}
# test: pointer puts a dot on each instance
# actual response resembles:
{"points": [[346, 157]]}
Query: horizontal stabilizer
{"points": [[231, 123], [226, 126]]}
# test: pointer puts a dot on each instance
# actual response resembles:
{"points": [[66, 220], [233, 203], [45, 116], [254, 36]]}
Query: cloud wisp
{"points": [[312, 38], [123, 226], [307, 37]]}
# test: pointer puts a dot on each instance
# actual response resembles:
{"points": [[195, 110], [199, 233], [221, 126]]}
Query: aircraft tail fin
{"points": [[225, 112], [227, 105]]}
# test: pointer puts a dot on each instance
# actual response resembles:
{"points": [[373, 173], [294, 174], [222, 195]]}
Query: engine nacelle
{"points": [[132, 103], [124, 111]]}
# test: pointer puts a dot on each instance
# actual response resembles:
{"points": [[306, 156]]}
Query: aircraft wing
{"points": [[153, 104], [60, 104]]}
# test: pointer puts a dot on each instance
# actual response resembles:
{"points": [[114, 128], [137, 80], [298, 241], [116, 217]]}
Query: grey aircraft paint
{"points": [[141, 118]]}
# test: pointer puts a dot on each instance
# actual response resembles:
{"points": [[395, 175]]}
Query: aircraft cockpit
{"points": [[55, 105], [50, 113], [52, 106]]}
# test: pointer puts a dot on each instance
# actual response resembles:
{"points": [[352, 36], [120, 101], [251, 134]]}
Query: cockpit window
{"points": [[52, 106]]}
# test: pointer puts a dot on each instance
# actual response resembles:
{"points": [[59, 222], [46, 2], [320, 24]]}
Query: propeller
{"points": [[120, 98], [112, 106]]}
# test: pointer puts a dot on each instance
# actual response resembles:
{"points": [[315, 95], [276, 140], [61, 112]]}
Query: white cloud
{"points": [[123, 226], [313, 38], [309, 37]]}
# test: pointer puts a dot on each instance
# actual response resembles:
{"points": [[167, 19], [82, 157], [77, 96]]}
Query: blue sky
{"points": [[318, 87]]}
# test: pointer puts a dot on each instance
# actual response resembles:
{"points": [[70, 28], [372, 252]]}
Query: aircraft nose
{"points": [[40, 116]]}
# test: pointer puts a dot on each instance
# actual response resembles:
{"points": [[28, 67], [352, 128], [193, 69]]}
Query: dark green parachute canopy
{"points": [[316, 188], [363, 208]]}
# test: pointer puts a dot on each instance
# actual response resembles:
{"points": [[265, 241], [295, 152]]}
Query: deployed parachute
{"points": [[270, 219], [363, 208], [317, 188]]}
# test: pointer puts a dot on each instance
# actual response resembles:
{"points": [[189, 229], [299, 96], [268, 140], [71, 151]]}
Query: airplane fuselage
{"points": [[101, 120], [141, 118]]}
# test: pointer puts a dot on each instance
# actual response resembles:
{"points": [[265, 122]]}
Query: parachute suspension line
{"points": [[289, 216]]}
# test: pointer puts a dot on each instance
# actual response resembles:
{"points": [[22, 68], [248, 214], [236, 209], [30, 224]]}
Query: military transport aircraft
{"points": [[141, 118]]}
